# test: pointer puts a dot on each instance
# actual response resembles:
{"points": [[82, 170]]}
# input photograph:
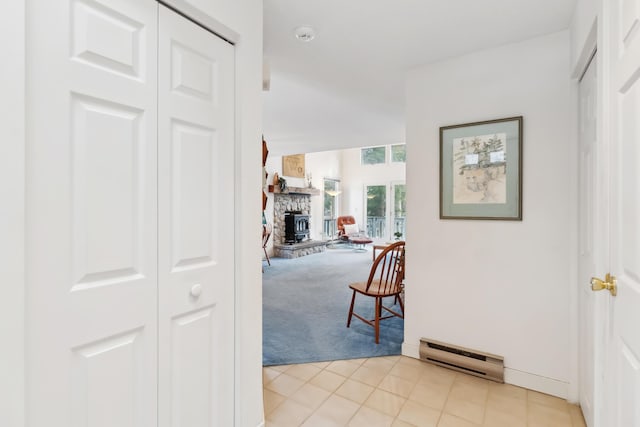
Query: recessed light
{"points": [[305, 34]]}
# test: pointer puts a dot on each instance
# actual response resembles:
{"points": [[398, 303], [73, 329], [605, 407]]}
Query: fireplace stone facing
{"points": [[282, 203], [285, 203]]}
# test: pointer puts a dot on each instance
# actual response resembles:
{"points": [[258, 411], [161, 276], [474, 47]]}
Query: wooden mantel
{"points": [[295, 191]]}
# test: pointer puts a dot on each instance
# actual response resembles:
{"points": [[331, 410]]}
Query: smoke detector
{"points": [[305, 34]]}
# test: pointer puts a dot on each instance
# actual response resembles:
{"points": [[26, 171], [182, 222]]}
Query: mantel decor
{"points": [[481, 170], [293, 166]]}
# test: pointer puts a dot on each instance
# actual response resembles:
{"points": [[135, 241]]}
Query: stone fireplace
{"points": [[293, 208], [283, 203]]}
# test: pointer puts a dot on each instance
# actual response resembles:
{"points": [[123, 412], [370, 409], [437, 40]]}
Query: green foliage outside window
{"points": [[400, 198], [373, 155], [376, 200], [329, 200], [399, 153]]}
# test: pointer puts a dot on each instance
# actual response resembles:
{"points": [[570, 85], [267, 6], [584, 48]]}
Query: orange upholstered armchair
{"points": [[341, 221]]}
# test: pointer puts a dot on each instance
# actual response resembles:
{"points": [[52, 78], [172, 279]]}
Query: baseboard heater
{"points": [[472, 362]]}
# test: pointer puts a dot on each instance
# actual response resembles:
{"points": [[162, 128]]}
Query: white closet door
{"points": [[91, 213], [621, 367], [196, 206]]}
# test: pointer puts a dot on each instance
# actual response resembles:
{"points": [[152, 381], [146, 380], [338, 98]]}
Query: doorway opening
{"points": [[306, 298]]}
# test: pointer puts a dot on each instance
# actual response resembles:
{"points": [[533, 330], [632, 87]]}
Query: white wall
{"points": [[497, 286], [357, 175]]}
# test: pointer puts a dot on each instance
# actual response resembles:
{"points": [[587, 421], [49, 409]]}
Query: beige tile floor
{"points": [[399, 391]]}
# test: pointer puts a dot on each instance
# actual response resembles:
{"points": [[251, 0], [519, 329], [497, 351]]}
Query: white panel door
{"points": [[91, 182], [587, 212], [622, 369], [196, 223]]}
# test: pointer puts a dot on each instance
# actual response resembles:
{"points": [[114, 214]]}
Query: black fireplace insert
{"points": [[296, 227]]}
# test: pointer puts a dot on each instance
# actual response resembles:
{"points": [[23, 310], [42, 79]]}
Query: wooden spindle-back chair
{"points": [[385, 280]]}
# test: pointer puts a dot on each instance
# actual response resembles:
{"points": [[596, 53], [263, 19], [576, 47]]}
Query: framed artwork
{"points": [[293, 166], [481, 170]]}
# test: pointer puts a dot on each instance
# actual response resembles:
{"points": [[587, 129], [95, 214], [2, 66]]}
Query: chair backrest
{"points": [[388, 269], [342, 220]]}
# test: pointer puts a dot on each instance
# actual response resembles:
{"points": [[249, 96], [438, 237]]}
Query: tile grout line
{"points": [[325, 399], [486, 402]]}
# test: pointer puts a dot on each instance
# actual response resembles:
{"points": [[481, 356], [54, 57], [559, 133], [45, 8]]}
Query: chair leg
{"points": [[353, 300], [267, 255], [398, 297], [401, 305], [377, 321]]}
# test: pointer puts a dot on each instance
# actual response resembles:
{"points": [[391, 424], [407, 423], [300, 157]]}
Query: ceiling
{"points": [[345, 88]]}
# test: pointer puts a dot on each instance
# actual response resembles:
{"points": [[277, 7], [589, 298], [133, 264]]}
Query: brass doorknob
{"points": [[609, 283]]}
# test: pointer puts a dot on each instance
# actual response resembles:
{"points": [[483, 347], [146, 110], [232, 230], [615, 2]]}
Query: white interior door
{"points": [[196, 224], [91, 258], [622, 369], [587, 232]]}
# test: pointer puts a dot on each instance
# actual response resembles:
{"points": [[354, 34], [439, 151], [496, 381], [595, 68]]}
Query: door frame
{"points": [[587, 334], [596, 37], [12, 227], [246, 37]]}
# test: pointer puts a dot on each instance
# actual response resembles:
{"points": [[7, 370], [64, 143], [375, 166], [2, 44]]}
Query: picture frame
{"points": [[293, 166], [481, 170]]}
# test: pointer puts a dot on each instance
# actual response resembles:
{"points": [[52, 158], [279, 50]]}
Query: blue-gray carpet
{"points": [[305, 305]]}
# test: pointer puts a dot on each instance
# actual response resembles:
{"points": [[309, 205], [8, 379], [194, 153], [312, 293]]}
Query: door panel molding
{"points": [[91, 225], [195, 225]]}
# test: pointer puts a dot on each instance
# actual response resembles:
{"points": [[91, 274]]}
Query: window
{"points": [[399, 210], [399, 153], [373, 155], [331, 192], [385, 206], [376, 207]]}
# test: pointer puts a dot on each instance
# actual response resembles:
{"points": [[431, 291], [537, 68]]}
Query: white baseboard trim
{"points": [[513, 376], [411, 350], [261, 424], [536, 382]]}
